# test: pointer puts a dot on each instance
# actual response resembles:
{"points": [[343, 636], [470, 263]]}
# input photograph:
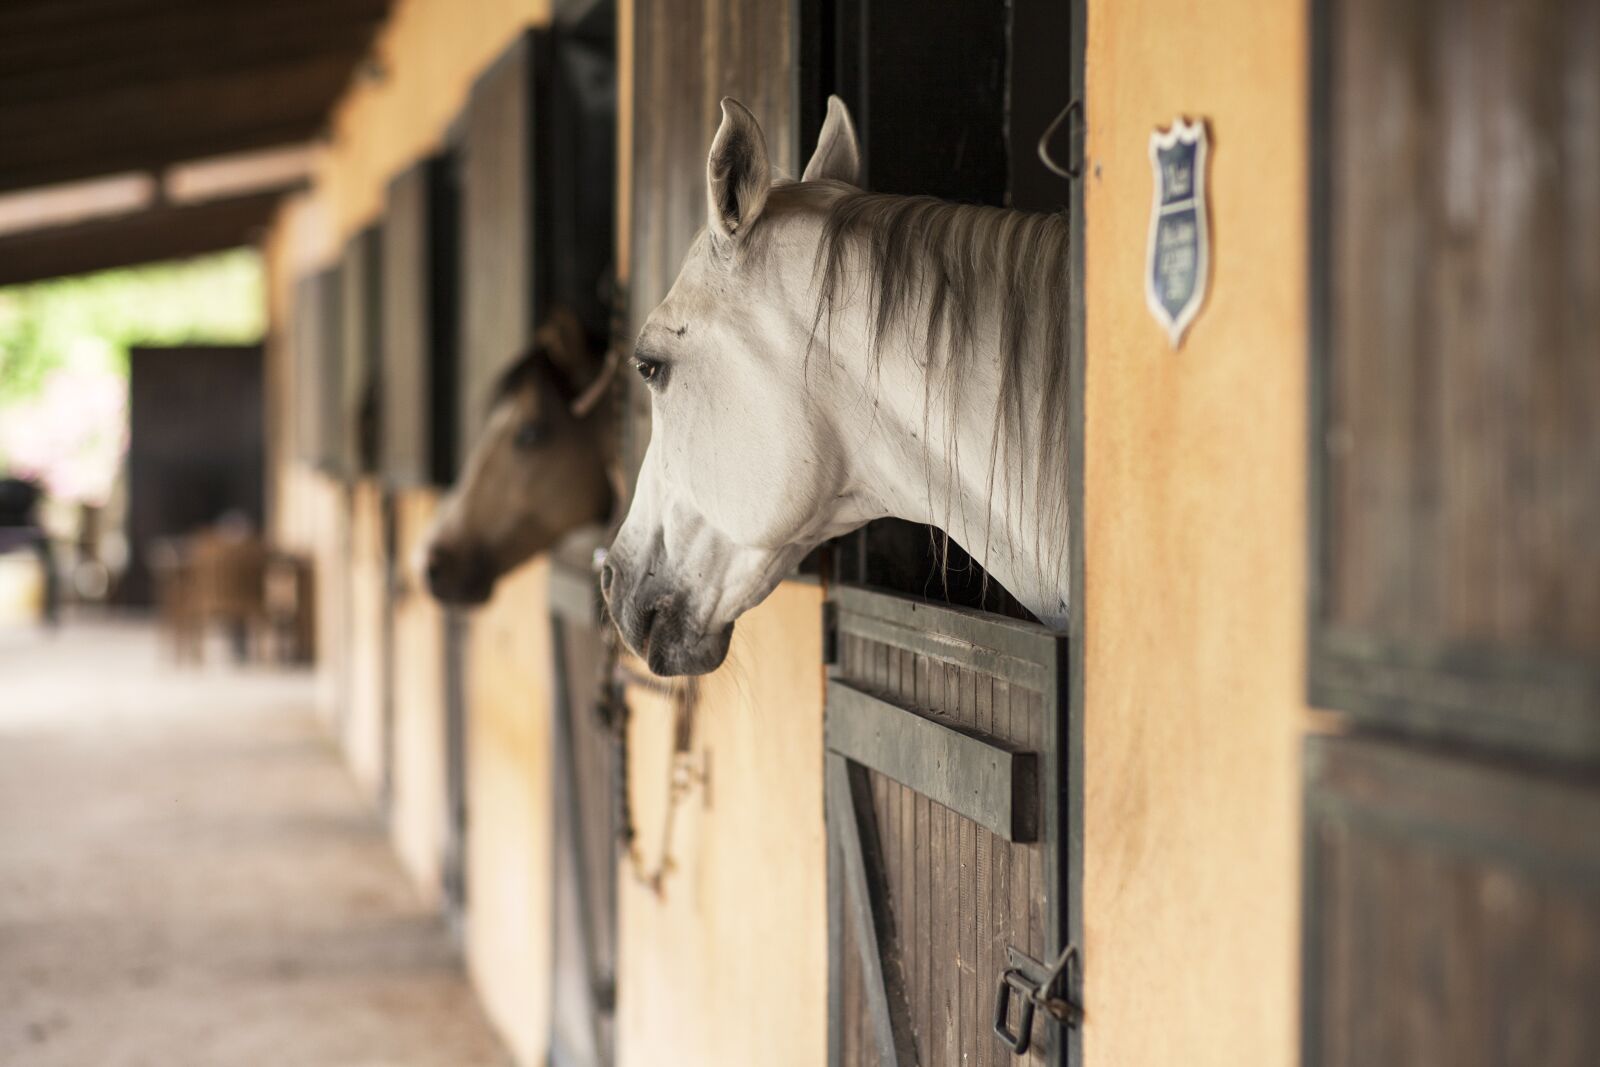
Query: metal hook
{"points": [[1069, 173]]}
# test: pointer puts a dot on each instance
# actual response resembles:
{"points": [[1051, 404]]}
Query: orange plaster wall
{"points": [[1195, 549], [729, 965], [417, 818], [429, 53], [363, 718], [509, 810]]}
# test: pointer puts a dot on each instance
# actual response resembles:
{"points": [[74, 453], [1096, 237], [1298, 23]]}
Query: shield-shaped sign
{"points": [[1179, 253]]}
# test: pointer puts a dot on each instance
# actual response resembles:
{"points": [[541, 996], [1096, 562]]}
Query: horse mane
{"points": [[934, 268]]}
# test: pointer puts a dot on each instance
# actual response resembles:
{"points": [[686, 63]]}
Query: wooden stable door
{"points": [[1453, 832], [503, 219], [946, 784], [953, 855]]}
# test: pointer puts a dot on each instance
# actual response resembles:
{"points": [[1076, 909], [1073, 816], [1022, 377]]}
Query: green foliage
{"points": [[47, 326]]}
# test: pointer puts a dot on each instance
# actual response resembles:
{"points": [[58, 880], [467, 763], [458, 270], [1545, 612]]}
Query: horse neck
{"points": [[929, 460]]}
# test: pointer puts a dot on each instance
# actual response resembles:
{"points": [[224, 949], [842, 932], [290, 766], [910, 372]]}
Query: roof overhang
{"points": [[151, 93]]}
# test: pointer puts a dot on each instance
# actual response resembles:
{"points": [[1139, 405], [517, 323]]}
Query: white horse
{"points": [[829, 356]]}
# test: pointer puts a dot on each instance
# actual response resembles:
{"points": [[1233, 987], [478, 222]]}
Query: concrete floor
{"points": [[188, 877]]}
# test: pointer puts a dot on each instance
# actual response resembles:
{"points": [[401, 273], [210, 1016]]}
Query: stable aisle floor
{"points": [[188, 876]]}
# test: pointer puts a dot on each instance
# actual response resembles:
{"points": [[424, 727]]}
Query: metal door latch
{"points": [[1051, 990]]}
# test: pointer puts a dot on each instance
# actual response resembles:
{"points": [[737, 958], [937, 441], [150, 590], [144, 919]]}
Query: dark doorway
{"points": [[949, 102], [194, 447]]}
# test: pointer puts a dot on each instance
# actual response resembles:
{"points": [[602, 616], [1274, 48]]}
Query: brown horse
{"points": [[536, 473]]}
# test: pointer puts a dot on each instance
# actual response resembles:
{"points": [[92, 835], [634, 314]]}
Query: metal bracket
{"points": [[1036, 987], [1074, 167]]}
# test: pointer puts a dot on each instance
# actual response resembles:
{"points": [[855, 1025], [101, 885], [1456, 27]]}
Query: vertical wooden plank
{"points": [[406, 328], [850, 1024], [947, 1050], [499, 208], [1044, 1035], [967, 943], [946, 890], [1579, 205], [839, 955], [923, 981], [885, 790], [889, 817], [983, 908], [1021, 874], [1004, 933], [912, 876]]}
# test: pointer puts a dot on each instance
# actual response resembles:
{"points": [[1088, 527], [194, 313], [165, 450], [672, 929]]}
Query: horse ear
{"points": [[560, 338], [838, 155], [738, 172]]}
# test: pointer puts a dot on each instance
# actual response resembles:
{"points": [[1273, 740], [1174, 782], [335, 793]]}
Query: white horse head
{"points": [[827, 357]]}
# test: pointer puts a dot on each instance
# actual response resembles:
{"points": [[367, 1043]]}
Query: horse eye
{"points": [[650, 370], [530, 435]]}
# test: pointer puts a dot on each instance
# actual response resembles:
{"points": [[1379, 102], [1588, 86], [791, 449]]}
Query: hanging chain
{"points": [[610, 401], [682, 776], [612, 707]]}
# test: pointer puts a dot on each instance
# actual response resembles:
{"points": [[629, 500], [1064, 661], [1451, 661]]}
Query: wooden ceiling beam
{"points": [[90, 162], [91, 84], [57, 16], [212, 34], [19, 15], [191, 104], [96, 87], [162, 233]]}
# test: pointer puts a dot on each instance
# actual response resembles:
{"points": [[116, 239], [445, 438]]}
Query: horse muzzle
{"points": [[658, 628], [463, 577]]}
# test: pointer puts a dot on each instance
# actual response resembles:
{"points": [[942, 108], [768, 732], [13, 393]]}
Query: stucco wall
{"points": [[509, 810], [1194, 505], [417, 817], [429, 53], [729, 965], [363, 719], [324, 516]]}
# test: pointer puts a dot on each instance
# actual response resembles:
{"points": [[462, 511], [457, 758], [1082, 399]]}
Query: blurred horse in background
{"points": [[538, 472]]}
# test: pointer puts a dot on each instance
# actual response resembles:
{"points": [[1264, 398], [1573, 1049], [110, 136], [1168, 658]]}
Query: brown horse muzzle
{"points": [[461, 576]]}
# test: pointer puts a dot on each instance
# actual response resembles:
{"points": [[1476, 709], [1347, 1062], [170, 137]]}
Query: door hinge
{"points": [[1053, 990]]}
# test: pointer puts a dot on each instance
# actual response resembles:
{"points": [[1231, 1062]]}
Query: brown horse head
{"points": [[536, 473]]}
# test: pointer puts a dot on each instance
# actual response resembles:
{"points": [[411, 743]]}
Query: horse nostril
{"points": [[436, 567], [608, 575]]}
